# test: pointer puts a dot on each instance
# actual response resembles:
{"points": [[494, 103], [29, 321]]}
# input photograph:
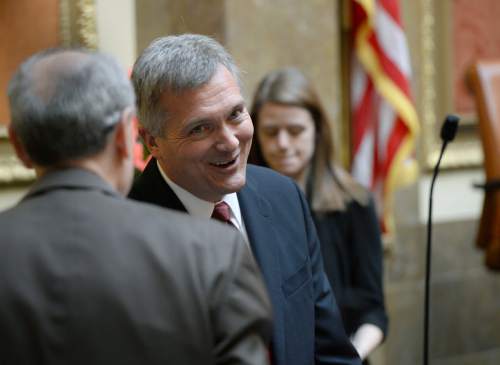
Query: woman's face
{"points": [[286, 135]]}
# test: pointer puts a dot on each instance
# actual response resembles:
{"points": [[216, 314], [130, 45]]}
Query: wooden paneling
{"points": [[26, 26], [476, 35]]}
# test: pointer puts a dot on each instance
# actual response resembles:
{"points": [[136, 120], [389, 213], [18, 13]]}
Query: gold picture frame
{"points": [[78, 23], [12, 172], [436, 91], [77, 28]]}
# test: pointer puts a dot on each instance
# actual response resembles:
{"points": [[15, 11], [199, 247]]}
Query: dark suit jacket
{"points": [[89, 277], [307, 324], [352, 254]]}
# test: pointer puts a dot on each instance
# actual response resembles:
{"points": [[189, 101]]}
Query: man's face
{"points": [[207, 138]]}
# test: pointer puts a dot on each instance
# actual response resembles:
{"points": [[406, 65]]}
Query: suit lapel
{"points": [[152, 188], [257, 216]]}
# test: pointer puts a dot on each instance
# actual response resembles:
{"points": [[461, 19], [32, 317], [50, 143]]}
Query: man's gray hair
{"points": [[65, 102], [175, 64]]}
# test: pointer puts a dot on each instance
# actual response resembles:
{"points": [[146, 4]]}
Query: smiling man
{"points": [[196, 125]]}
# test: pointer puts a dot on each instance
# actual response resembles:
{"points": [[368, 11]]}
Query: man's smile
{"points": [[224, 164]]}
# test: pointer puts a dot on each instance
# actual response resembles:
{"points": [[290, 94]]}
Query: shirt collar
{"points": [[202, 208]]}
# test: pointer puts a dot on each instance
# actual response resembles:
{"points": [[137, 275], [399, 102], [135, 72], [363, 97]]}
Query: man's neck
{"points": [[94, 165], [193, 204], [202, 208]]}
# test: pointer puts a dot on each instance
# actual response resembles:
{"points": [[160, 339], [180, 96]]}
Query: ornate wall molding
{"points": [[428, 71], [12, 172], [436, 49], [77, 27], [78, 24]]}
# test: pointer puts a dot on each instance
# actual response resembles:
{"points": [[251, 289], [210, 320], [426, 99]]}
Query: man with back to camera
{"points": [[89, 277], [196, 125]]}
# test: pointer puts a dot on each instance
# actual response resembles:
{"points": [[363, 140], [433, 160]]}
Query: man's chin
{"points": [[233, 186]]}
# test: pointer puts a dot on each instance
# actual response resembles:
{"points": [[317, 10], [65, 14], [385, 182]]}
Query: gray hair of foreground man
{"points": [[174, 64], [64, 103]]}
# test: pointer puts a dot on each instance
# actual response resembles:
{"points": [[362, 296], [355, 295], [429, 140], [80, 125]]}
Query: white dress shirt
{"points": [[201, 208]]}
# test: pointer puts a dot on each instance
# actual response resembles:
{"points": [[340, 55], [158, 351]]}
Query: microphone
{"points": [[449, 128], [448, 132]]}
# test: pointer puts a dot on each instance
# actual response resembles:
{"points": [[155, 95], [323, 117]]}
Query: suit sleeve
{"points": [[332, 346], [242, 312], [365, 299]]}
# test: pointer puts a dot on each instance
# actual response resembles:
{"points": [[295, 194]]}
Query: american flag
{"points": [[385, 122]]}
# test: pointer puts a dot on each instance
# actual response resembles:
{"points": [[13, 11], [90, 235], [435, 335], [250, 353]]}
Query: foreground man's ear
{"points": [[124, 134], [19, 148]]}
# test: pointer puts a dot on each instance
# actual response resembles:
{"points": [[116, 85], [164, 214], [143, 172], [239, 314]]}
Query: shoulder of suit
{"points": [[179, 223], [268, 178], [139, 187], [192, 240]]}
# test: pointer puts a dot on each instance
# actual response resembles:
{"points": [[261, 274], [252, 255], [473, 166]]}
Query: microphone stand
{"points": [[448, 132]]}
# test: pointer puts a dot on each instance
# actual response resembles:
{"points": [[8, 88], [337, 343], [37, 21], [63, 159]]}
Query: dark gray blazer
{"points": [[89, 277], [307, 325]]}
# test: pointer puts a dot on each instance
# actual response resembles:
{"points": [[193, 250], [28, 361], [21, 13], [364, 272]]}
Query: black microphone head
{"points": [[449, 128]]}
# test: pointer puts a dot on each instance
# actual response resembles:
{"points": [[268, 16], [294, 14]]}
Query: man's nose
{"points": [[227, 139]]}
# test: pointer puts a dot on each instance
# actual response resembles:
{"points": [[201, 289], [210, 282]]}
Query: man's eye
{"points": [[236, 114], [199, 130]]}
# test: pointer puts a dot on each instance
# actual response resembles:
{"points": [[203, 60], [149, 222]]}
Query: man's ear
{"points": [[19, 148], [150, 142], [124, 135]]}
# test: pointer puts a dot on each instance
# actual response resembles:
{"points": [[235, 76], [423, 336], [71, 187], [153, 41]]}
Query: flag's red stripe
{"points": [[376, 158], [390, 69], [361, 117], [358, 15], [392, 8], [397, 136]]}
